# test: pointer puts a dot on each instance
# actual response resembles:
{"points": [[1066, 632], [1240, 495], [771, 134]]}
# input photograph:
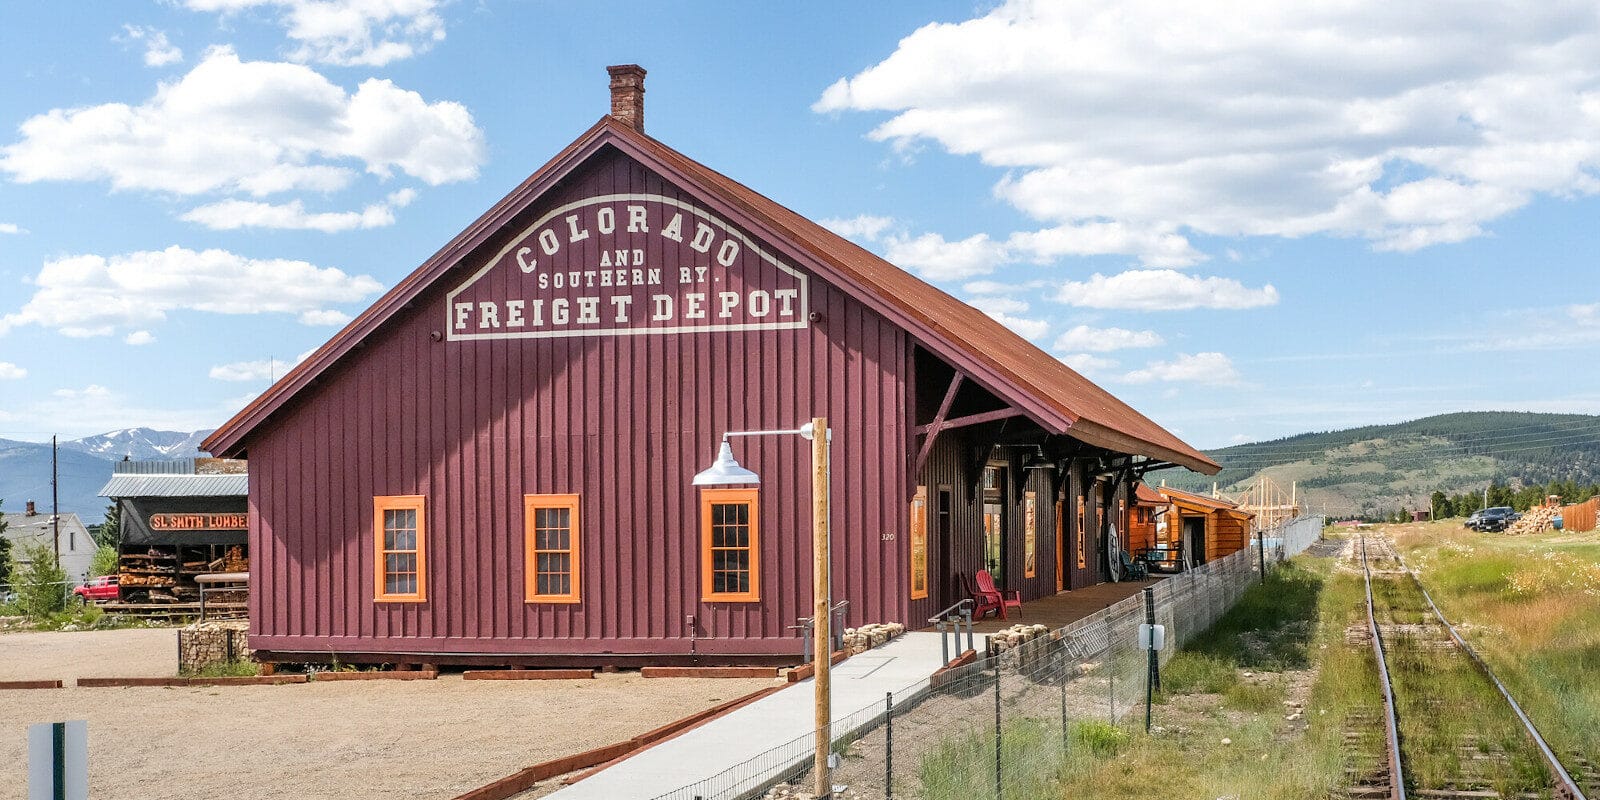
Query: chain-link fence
{"points": [[1003, 726]]}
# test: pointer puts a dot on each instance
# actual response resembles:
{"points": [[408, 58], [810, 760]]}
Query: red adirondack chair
{"points": [[988, 598]]}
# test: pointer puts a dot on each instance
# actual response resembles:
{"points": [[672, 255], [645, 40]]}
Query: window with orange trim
{"points": [[919, 544], [552, 548], [400, 538], [730, 546], [1083, 560]]}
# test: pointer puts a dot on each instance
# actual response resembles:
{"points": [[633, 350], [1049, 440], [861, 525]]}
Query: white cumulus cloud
{"points": [[348, 32], [1132, 126], [262, 370], [865, 227], [253, 127], [935, 258], [139, 338], [158, 50], [11, 372], [1086, 363], [1104, 340], [94, 295], [11, 228], [1022, 326], [1209, 368], [227, 215], [1163, 290], [324, 316]]}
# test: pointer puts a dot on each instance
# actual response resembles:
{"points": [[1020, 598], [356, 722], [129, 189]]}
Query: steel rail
{"points": [[1397, 784], [1568, 786]]}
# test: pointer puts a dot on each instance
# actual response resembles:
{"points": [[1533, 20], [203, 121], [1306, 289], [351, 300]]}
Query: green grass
{"points": [[1271, 626], [227, 669], [1449, 713], [82, 617], [1295, 619], [963, 766], [1530, 606], [1189, 672]]}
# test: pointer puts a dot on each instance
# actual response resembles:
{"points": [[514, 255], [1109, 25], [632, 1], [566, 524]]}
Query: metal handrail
{"points": [[958, 605], [956, 615]]}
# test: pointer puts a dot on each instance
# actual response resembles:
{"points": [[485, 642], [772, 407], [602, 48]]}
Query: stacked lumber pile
{"points": [[1534, 520], [1017, 635], [212, 642], [234, 560], [866, 637]]}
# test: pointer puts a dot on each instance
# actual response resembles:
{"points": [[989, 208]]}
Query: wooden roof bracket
{"points": [[930, 431]]}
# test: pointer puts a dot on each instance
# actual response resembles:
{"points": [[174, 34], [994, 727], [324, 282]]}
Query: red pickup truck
{"points": [[99, 590]]}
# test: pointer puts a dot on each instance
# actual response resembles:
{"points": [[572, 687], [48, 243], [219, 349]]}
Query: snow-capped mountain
{"points": [[85, 466], [140, 444]]}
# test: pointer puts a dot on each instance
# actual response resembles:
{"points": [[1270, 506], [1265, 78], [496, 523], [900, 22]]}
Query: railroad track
{"points": [[1417, 640]]}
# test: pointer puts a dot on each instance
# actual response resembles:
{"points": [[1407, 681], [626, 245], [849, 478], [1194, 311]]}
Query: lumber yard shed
{"points": [[493, 464], [180, 519]]}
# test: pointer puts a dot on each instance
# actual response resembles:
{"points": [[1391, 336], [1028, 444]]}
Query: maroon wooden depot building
{"points": [[493, 463]]}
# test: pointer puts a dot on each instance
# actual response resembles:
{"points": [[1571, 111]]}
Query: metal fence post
{"points": [[1261, 550], [999, 738], [1065, 736], [1111, 667], [888, 745]]}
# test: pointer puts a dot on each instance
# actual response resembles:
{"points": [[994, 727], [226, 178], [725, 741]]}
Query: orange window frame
{"points": [[381, 505], [531, 505], [1083, 559], [919, 544], [709, 499], [1030, 534]]}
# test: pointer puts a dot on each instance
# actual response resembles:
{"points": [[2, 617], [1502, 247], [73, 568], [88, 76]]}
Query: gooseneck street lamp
{"points": [[726, 471]]}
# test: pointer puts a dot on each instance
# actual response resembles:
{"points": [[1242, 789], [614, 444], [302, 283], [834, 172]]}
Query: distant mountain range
{"points": [[84, 466], [1380, 468]]}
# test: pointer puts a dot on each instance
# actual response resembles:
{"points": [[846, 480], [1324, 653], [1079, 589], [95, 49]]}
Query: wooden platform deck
{"points": [[1066, 607]]}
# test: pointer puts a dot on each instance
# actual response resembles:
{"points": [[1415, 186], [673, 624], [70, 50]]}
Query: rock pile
{"points": [[866, 637], [1017, 635], [1534, 520], [216, 641]]}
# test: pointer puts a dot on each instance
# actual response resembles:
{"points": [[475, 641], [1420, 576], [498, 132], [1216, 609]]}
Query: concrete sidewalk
{"points": [[746, 748]]}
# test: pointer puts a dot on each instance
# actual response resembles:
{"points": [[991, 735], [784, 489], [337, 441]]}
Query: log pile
{"points": [[866, 637], [212, 642], [1534, 520]]}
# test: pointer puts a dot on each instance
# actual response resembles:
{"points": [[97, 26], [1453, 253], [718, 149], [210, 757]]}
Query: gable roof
{"points": [[1200, 502], [1012, 368]]}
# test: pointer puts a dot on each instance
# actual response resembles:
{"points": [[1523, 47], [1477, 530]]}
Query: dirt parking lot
{"points": [[347, 740]]}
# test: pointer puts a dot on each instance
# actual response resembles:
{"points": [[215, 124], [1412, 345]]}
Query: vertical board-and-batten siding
{"points": [[948, 465], [623, 421]]}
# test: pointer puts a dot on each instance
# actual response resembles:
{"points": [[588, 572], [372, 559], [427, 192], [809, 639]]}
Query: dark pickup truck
{"points": [[1494, 518]]}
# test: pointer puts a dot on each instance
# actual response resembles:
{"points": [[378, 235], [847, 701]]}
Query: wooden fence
{"points": [[1580, 516]]}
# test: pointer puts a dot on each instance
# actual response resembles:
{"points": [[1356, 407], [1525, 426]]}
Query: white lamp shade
{"points": [[725, 471]]}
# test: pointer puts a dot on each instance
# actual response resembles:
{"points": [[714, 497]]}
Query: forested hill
{"points": [[1378, 468]]}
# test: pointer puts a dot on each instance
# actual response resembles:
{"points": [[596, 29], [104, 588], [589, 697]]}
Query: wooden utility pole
{"points": [[55, 501], [822, 634]]}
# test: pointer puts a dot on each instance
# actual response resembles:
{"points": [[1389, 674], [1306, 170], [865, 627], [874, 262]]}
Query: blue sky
{"points": [[1248, 224]]}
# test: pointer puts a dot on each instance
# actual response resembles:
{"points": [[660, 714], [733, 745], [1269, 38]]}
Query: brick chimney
{"points": [[627, 95], [29, 510]]}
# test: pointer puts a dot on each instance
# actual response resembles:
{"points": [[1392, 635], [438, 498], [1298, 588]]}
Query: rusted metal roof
{"points": [[1046, 390], [1142, 493], [1199, 502]]}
